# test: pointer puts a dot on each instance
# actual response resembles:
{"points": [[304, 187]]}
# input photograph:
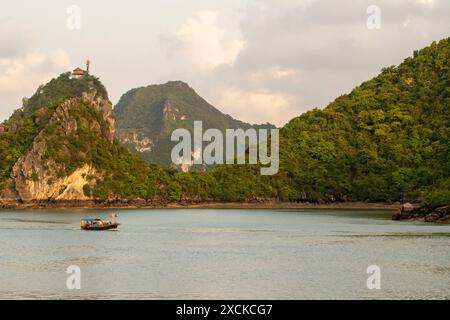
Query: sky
{"points": [[257, 60]]}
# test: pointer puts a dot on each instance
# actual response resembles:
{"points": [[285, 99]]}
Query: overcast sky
{"points": [[258, 60]]}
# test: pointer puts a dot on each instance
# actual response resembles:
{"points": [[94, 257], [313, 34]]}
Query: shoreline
{"points": [[137, 204], [438, 216], [288, 205]]}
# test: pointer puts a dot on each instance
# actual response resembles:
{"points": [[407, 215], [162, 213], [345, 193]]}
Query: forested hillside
{"points": [[387, 140], [60, 146], [147, 116]]}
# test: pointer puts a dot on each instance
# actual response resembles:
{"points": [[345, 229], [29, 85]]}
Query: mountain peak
{"points": [[147, 116], [54, 140], [178, 84]]}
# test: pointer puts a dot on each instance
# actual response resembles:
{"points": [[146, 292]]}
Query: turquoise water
{"points": [[223, 254]]}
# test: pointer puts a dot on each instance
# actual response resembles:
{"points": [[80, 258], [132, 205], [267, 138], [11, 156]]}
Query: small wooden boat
{"points": [[99, 224]]}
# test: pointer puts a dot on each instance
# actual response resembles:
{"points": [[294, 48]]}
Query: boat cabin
{"points": [[90, 222], [99, 224]]}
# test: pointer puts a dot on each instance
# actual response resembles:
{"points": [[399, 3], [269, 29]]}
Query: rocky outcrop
{"points": [[104, 106], [408, 207], [169, 112], [135, 140], [36, 176], [411, 212], [45, 188]]}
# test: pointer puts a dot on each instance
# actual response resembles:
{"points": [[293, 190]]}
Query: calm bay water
{"points": [[223, 254]]}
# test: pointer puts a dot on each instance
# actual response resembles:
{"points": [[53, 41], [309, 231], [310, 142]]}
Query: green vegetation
{"points": [[18, 132], [388, 140], [156, 111]]}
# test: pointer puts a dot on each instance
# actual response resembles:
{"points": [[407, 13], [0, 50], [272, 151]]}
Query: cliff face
{"points": [[61, 147], [57, 166], [35, 176]]}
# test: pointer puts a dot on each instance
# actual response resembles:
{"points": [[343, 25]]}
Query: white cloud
{"points": [[281, 73], [24, 66], [205, 43], [256, 106], [314, 51], [273, 73], [426, 2], [20, 76], [301, 52], [17, 73]]}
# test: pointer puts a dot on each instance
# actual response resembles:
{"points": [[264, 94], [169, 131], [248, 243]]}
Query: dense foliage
{"points": [[156, 111], [388, 140], [18, 132]]}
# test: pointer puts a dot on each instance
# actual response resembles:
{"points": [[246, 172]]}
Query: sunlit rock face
{"points": [[41, 172]]}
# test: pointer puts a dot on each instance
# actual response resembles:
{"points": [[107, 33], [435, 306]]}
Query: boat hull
{"points": [[101, 228]]}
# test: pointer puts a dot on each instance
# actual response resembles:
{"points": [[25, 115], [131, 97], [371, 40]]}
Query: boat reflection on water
{"points": [[99, 224]]}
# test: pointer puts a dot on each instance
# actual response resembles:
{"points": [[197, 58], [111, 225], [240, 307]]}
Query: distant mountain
{"points": [[147, 116]]}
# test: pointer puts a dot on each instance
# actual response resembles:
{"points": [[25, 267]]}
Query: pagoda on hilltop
{"points": [[79, 73]]}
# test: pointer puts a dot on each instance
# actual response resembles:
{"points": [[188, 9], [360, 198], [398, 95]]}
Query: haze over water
{"points": [[223, 254]]}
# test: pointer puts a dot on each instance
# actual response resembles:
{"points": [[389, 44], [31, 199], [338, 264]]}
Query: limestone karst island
{"points": [[231, 157], [384, 142]]}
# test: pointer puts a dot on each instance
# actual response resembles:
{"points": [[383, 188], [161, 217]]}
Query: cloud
{"points": [[315, 51], [205, 43], [290, 56], [29, 70], [23, 68], [17, 40], [274, 73], [426, 2], [256, 106], [281, 73], [297, 54]]}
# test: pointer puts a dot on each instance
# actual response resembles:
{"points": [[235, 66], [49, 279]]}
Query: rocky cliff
{"points": [[60, 149], [57, 165]]}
